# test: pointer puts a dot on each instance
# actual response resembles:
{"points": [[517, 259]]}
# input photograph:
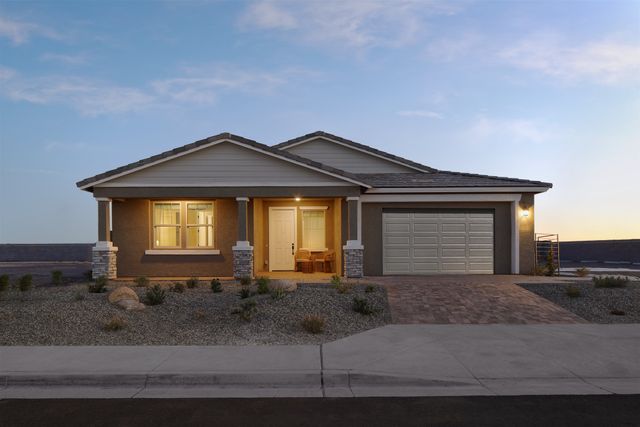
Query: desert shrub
{"points": [[550, 267], [610, 281], [193, 282], [617, 312], [362, 306], [88, 275], [277, 293], [141, 281], [155, 295], [247, 310], [343, 288], [25, 282], [56, 277], [178, 287], [369, 289], [245, 280], [335, 280], [244, 293], [313, 324], [573, 291], [78, 296], [99, 286], [116, 323], [216, 286], [4, 282], [263, 285], [582, 272], [539, 270]]}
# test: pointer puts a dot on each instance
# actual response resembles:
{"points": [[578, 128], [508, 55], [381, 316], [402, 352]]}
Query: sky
{"points": [[543, 90]]}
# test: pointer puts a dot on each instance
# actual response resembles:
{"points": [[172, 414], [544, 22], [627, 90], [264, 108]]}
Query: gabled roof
{"points": [[354, 145], [442, 179], [88, 183]]}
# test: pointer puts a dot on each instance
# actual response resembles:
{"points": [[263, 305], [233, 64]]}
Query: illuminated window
{"points": [[166, 225], [313, 229], [199, 225]]}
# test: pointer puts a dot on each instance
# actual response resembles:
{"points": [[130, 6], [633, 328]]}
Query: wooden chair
{"points": [[303, 261], [324, 260]]}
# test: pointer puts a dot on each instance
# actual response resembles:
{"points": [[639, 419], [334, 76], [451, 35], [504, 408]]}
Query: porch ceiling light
{"points": [[297, 199]]}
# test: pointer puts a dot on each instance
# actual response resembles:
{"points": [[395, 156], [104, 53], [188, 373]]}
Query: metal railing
{"points": [[547, 253]]}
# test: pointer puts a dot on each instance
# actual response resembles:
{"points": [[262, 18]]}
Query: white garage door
{"points": [[437, 243]]}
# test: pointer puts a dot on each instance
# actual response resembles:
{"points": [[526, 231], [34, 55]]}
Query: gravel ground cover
{"points": [[69, 315], [594, 304]]}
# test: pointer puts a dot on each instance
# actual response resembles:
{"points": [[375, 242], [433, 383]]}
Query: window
{"points": [[313, 229], [170, 218]]}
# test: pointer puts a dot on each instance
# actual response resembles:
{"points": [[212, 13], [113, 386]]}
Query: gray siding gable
{"points": [[345, 158]]}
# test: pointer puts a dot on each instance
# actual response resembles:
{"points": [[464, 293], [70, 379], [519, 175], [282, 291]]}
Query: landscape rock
{"points": [[126, 298]]}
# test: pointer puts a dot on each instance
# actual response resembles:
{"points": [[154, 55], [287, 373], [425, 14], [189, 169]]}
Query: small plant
{"points": [[551, 265], [369, 289], [25, 282], [246, 310], [116, 323], [78, 296], [277, 293], [362, 306], [313, 324], [573, 291], [244, 293], [99, 286], [582, 272], [155, 295], [610, 281], [617, 312], [263, 285], [341, 287], [141, 281], [178, 287], [216, 286], [4, 282], [245, 280], [335, 280], [193, 283], [88, 275], [56, 277]]}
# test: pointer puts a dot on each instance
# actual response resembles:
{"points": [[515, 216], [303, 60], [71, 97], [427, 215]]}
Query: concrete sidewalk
{"points": [[395, 360]]}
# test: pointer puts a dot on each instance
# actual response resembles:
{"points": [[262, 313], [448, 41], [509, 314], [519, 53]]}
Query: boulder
{"points": [[125, 297], [287, 285]]}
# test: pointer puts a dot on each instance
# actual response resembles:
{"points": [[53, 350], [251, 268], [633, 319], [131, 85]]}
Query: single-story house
{"points": [[229, 206]]}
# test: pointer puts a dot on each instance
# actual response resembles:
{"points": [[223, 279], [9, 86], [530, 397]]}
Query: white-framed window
{"points": [[314, 228], [170, 218]]}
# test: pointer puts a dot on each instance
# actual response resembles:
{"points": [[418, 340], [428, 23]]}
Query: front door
{"points": [[282, 238]]}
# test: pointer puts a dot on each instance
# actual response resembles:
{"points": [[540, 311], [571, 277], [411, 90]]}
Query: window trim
{"points": [[183, 248], [322, 209]]}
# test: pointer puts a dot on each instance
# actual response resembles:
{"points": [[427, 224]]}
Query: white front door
{"points": [[282, 238]]}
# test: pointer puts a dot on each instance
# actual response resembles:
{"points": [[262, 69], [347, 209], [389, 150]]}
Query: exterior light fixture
{"points": [[525, 213], [297, 199]]}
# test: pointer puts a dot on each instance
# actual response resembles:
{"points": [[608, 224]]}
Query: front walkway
{"points": [[469, 299]]}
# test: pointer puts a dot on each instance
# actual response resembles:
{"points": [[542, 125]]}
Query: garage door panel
{"points": [[438, 242]]}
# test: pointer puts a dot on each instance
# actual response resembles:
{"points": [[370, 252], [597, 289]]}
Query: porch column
{"points": [[103, 254], [515, 235], [353, 250], [242, 251]]}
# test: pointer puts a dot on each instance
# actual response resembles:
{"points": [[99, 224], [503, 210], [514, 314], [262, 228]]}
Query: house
{"points": [[229, 206]]}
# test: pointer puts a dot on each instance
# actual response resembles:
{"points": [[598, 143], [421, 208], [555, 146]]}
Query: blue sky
{"points": [[539, 90]]}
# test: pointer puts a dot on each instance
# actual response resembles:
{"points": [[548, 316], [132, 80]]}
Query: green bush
{"points": [[573, 291], [216, 286], [56, 277], [99, 286], [245, 280], [335, 280], [610, 281], [193, 282], [178, 287], [263, 285], [116, 323], [313, 324], [4, 282], [141, 281], [551, 265], [244, 293], [246, 310], [369, 289], [155, 295], [277, 292], [362, 306], [582, 272], [25, 282]]}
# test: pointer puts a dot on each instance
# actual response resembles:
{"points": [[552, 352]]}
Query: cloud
{"points": [[420, 113], [77, 59], [484, 128], [20, 32], [450, 49], [352, 24], [604, 61]]}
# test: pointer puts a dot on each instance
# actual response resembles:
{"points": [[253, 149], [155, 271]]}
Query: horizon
{"points": [[546, 91]]}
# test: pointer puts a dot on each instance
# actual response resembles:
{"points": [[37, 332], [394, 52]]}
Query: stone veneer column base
{"points": [[353, 261], [242, 260], [103, 260]]}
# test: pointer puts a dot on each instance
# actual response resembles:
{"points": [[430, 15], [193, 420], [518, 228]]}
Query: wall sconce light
{"points": [[525, 213], [297, 199]]}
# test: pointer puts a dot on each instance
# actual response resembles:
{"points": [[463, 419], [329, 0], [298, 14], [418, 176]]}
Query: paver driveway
{"points": [[469, 299]]}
